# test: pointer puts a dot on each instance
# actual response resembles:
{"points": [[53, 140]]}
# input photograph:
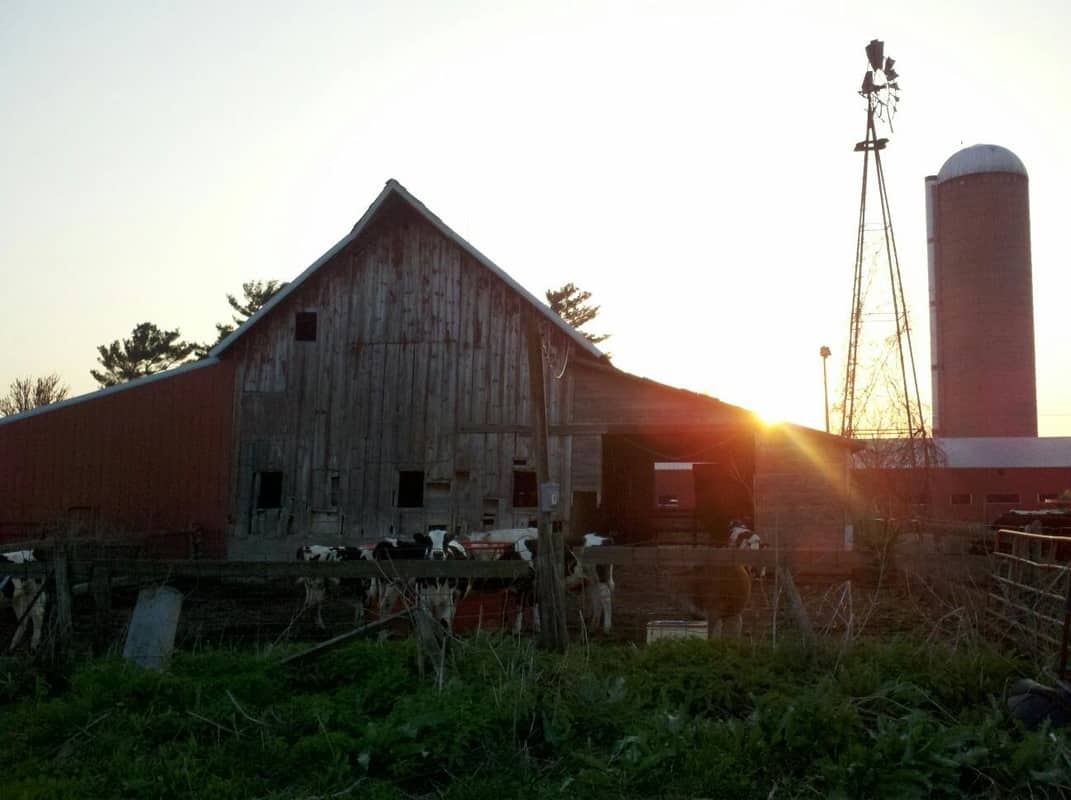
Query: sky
{"points": [[689, 164]]}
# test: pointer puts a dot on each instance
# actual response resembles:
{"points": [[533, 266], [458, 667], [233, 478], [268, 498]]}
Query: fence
{"points": [[1031, 592], [93, 587]]}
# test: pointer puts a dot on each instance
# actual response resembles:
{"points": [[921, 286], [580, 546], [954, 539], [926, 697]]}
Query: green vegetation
{"points": [[675, 720]]}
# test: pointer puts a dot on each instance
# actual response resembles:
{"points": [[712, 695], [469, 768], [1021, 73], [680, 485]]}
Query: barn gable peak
{"points": [[394, 189]]}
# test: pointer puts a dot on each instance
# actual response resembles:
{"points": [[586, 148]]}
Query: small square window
{"points": [[410, 488], [305, 326], [525, 490], [999, 497], [269, 490]]}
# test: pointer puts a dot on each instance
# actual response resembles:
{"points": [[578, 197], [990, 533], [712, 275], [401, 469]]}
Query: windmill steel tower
{"points": [[981, 295], [889, 379]]}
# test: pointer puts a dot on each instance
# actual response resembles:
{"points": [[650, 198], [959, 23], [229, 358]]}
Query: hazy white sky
{"points": [[690, 164]]}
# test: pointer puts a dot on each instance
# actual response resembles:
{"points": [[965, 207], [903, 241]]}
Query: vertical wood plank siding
{"points": [[415, 339], [150, 457]]}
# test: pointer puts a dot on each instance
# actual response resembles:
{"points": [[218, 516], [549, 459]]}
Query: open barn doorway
{"points": [[661, 488]]}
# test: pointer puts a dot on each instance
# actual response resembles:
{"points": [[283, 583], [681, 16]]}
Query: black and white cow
{"points": [[593, 584], [316, 588], [26, 596], [438, 596]]}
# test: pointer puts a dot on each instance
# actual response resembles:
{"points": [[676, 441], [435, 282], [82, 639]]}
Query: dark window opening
{"points": [[305, 326], [1002, 498], [333, 490], [410, 488], [269, 490], [960, 500], [520, 462], [488, 520], [525, 490]]}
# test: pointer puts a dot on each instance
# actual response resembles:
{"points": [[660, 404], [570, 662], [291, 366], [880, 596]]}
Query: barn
{"points": [[385, 390]]}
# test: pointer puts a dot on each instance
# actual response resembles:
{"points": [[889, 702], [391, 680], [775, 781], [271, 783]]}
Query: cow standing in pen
{"points": [[316, 588], [720, 592], [438, 596], [593, 584], [26, 596]]}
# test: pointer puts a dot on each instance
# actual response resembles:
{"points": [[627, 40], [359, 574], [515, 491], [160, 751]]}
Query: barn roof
{"points": [[393, 189], [182, 369]]}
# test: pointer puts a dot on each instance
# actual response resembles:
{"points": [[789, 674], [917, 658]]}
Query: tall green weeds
{"points": [[675, 720]]}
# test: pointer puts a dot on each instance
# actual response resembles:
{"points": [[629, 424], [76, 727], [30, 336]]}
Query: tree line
{"points": [[150, 349]]}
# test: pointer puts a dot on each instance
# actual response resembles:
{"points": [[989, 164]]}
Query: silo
{"points": [[981, 295]]}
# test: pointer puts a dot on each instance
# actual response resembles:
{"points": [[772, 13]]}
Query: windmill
{"points": [[894, 360]]}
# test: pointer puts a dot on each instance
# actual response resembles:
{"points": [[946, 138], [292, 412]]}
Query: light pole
{"points": [[825, 353]]}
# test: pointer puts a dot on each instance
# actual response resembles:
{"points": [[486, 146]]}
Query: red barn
{"points": [[385, 389]]}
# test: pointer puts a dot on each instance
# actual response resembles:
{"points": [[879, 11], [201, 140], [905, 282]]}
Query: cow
{"points": [[27, 598], [593, 583], [316, 588], [438, 596], [721, 592], [742, 537]]}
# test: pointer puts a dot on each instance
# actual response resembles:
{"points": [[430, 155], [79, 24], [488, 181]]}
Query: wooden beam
{"points": [[340, 639], [164, 570]]}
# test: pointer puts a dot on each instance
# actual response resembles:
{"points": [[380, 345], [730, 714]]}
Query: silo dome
{"points": [[981, 158], [981, 295]]}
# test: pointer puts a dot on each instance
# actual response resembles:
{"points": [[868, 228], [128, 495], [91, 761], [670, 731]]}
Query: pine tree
{"points": [[571, 304], [147, 351], [256, 294]]}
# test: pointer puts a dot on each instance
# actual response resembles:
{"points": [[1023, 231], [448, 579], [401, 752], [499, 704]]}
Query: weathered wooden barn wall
{"points": [[145, 457], [802, 487], [419, 364], [608, 400], [620, 425]]}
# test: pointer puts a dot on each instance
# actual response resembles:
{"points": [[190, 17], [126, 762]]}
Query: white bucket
{"points": [[663, 629]]}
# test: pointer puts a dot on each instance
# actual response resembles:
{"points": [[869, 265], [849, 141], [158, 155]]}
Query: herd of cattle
{"points": [[714, 593], [441, 596]]}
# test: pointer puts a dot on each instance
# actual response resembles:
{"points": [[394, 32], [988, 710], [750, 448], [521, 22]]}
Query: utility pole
{"points": [[825, 353], [550, 557]]}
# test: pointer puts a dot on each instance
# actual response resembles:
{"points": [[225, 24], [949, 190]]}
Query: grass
{"points": [[895, 719]]}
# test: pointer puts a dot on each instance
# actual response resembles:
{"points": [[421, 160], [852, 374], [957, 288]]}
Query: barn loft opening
{"points": [[410, 488], [525, 489], [269, 490], [305, 326]]}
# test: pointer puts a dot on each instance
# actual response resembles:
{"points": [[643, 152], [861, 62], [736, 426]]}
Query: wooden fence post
{"points": [[102, 604], [63, 593], [792, 594]]}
